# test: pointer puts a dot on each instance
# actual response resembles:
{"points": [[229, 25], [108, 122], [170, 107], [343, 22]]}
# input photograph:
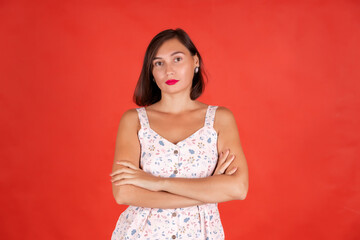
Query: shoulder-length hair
{"points": [[146, 91]]}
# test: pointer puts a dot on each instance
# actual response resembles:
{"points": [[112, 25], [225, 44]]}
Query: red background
{"points": [[289, 71]]}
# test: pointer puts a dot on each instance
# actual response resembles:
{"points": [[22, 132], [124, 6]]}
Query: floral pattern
{"points": [[194, 157]]}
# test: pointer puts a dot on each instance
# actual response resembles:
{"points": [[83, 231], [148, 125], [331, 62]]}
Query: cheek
{"points": [[187, 71], [157, 73]]}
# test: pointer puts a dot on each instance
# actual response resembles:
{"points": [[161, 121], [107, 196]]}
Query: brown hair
{"points": [[146, 91]]}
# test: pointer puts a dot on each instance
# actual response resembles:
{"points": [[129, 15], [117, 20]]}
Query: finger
{"points": [[127, 164], [121, 176], [227, 152], [118, 177], [122, 170], [226, 164], [221, 167], [222, 158], [232, 171], [123, 182]]}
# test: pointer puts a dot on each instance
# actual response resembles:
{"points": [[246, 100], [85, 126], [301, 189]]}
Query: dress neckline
{"points": [[176, 144]]}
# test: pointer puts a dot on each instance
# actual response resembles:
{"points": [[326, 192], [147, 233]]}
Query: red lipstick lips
{"points": [[171, 81]]}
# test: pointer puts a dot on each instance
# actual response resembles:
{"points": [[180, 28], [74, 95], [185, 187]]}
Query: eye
{"points": [[158, 64], [177, 59]]}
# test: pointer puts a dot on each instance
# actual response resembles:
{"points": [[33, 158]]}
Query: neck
{"points": [[176, 103]]}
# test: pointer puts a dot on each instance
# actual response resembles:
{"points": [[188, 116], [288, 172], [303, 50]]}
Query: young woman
{"points": [[172, 160]]}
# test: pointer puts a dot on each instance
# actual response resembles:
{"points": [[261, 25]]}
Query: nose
{"points": [[169, 69]]}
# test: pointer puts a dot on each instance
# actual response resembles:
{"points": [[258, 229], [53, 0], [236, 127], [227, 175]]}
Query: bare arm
{"points": [[217, 188], [128, 148], [212, 189], [137, 196]]}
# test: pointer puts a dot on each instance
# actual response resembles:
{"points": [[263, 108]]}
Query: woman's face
{"points": [[173, 66]]}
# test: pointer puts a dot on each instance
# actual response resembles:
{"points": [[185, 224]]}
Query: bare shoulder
{"points": [[130, 119], [224, 112], [223, 117], [130, 114]]}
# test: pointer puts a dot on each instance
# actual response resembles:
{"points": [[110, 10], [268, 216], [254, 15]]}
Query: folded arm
{"points": [[217, 188], [137, 196], [128, 147]]}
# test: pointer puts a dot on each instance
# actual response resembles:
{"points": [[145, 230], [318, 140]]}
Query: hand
{"points": [[224, 162], [130, 174]]}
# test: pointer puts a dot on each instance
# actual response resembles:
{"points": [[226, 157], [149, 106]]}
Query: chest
{"points": [[175, 128], [193, 157]]}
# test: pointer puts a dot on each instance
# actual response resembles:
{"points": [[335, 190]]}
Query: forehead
{"points": [[170, 46]]}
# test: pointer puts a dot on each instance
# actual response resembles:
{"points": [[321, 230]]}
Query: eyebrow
{"points": [[170, 55]]}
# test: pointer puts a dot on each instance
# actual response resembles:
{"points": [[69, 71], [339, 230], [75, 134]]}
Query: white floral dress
{"points": [[194, 157]]}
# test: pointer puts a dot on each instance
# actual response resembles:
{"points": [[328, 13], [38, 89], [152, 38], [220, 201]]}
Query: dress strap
{"points": [[144, 121], [210, 115]]}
